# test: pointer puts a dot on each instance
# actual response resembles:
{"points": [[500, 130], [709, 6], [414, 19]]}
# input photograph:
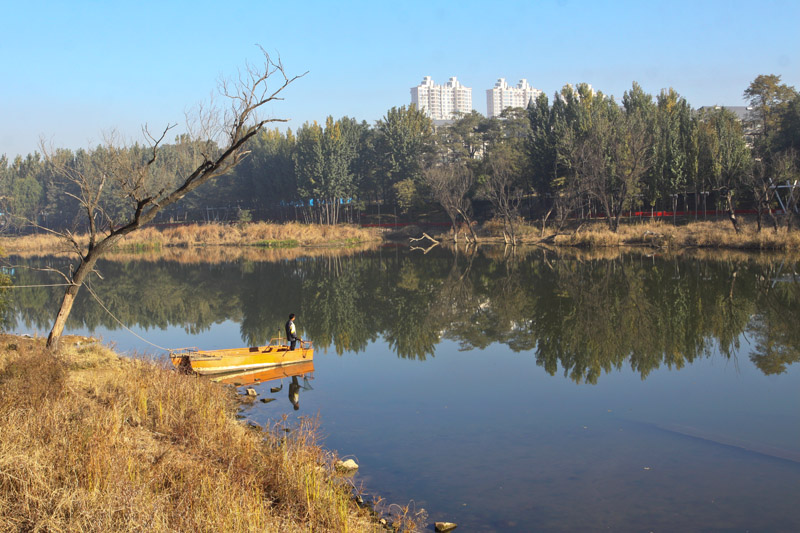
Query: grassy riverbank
{"points": [[717, 234], [95, 442], [259, 234], [709, 234]]}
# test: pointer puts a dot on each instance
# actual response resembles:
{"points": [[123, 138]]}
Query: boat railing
{"points": [[175, 353], [281, 342]]}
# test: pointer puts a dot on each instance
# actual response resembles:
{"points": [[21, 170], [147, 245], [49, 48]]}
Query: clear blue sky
{"points": [[74, 69]]}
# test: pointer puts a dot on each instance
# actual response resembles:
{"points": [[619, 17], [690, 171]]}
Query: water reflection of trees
{"points": [[582, 316], [774, 329]]}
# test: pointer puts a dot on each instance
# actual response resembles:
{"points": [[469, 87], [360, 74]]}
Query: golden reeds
{"points": [[152, 241], [95, 442], [716, 234], [192, 235], [595, 234]]}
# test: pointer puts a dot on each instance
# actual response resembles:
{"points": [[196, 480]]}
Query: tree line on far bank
{"points": [[581, 154]]}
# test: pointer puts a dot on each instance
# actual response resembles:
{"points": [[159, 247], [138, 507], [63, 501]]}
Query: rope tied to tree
{"points": [[88, 288]]}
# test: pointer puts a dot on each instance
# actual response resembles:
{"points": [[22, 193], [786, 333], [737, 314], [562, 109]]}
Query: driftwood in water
{"points": [[424, 236], [434, 243]]}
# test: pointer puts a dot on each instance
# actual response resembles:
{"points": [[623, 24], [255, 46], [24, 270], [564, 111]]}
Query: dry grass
{"points": [[493, 229], [717, 234], [94, 442], [30, 244], [155, 242], [257, 234], [595, 234]]}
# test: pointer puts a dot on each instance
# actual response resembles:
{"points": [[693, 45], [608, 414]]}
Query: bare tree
{"points": [[785, 171], [615, 153], [450, 184], [734, 162], [128, 175], [762, 189], [503, 192]]}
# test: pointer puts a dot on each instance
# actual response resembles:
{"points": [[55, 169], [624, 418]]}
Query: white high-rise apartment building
{"points": [[442, 102], [503, 95]]}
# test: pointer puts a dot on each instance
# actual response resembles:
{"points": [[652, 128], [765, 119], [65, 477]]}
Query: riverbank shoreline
{"points": [[718, 234], [96, 441], [260, 235]]}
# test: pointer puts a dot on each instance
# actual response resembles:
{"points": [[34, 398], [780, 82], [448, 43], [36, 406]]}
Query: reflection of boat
{"points": [[260, 376], [241, 359]]}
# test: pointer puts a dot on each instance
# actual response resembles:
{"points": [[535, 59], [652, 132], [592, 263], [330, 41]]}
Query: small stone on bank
{"points": [[347, 465], [251, 392], [445, 526]]}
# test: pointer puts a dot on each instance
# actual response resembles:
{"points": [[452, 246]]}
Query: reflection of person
{"points": [[294, 393], [291, 332]]}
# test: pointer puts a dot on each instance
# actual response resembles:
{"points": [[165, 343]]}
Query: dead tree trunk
{"points": [[85, 268], [731, 211]]}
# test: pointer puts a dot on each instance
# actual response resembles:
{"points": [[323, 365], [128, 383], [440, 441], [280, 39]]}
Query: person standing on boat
{"points": [[291, 332]]}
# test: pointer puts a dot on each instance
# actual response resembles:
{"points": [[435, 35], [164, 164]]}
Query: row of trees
{"points": [[586, 150], [581, 154]]}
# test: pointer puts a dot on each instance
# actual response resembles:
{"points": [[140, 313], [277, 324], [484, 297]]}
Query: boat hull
{"points": [[240, 359]]}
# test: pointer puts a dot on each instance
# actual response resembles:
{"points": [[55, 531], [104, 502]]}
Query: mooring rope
{"points": [[35, 286], [88, 288], [123, 325]]}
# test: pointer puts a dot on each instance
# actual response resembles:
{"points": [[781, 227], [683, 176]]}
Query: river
{"points": [[504, 391]]}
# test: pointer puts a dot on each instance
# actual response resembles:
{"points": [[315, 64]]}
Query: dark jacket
{"points": [[290, 336]]}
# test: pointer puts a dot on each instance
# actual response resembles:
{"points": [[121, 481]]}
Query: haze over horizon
{"points": [[75, 70]]}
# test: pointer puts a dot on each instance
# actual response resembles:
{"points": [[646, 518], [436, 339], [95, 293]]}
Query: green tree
{"points": [[768, 97], [614, 148], [671, 171], [336, 172], [309, 161], [26, 200], [465, 139], [365, 166], [323, 162], [541, 146], [404, 138], [551, 148], [266, 177], [23, 191], [724, 156], [788, 135]]}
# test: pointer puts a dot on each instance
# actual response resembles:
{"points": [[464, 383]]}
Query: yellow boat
{"points": [[241, 359]]}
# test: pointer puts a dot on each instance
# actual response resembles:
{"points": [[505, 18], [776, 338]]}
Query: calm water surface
{"points": [[536, 392]]}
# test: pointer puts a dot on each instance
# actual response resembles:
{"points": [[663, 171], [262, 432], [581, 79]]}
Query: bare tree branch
{"points": [[133, 180]]}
